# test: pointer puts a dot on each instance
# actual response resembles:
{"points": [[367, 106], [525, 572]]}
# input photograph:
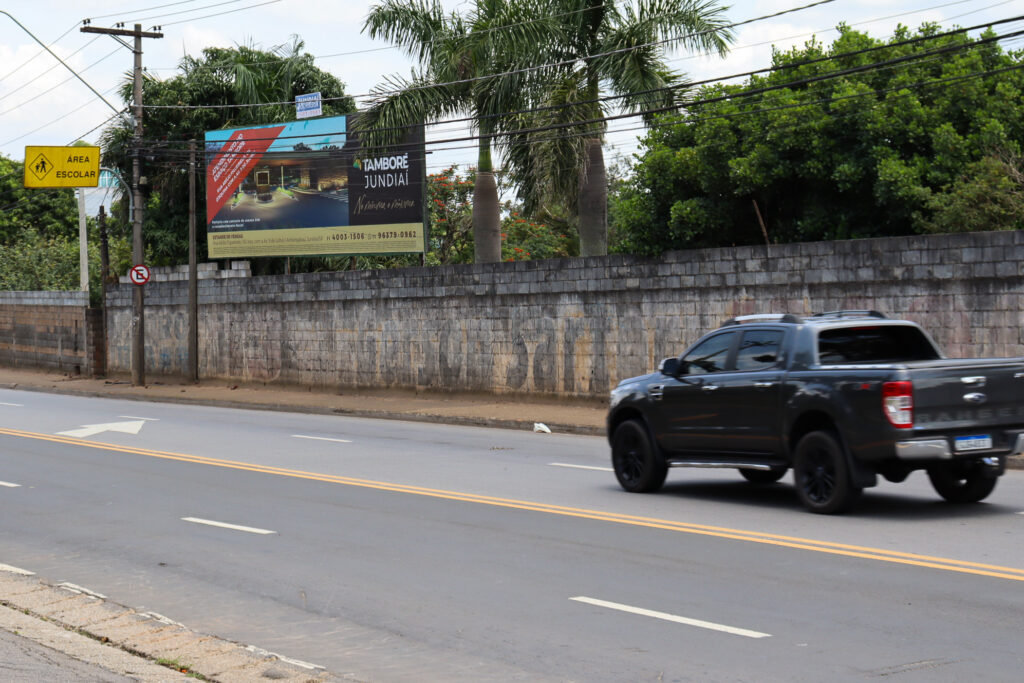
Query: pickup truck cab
{"points": [[838, 397]]}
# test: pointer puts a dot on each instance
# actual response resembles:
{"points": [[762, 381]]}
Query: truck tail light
{"points": [[898, 403]]}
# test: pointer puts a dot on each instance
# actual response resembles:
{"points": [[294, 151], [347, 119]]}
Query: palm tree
{"points": [[602, 46], [456, 53]]}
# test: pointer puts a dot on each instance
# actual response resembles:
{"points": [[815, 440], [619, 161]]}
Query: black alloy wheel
{"points": [[822, 476], [962, 482], [637, 466], [763, 476]]}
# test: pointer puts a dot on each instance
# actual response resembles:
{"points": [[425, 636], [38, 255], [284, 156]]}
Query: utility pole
{"points": [[138, 325], [193, 279]]}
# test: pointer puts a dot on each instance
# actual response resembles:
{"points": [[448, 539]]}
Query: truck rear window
{"points": [[874, 344]]}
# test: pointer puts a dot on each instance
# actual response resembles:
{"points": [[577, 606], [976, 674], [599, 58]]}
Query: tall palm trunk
{"points": [[593, 201], [486, 224]]}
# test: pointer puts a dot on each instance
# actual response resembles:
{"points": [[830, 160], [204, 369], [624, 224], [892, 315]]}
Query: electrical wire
{"points": [[32, 80], [219, 14], [66, 80]]}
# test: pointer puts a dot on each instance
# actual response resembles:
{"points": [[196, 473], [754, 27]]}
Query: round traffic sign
{"points": [[139, 274]]}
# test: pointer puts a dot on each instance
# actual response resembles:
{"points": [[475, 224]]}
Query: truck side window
{"points": [[874, 344], [759, 350], [710, 355]]}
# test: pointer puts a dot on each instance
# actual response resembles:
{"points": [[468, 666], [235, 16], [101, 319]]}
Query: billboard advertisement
{"points": [[307, 188]]}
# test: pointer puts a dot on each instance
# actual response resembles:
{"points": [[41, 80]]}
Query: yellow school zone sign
{"points": [[62, 166]]}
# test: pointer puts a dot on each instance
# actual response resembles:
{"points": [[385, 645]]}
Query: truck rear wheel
{"points": [[638, 467], [822, 475], [962, 482]]}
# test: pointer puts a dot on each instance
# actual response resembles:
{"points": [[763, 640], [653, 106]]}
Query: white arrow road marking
{"points": [[10, 485], [15, 570], [581, 467], [224, 525], [132, 427], [320, 438], [672, 617]]}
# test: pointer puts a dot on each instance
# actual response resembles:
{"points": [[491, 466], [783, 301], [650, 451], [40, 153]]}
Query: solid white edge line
{"points": [[75, 588], [224, 525], [9, 485], [133, 417], [581, 467], [267, 653], [674, 618], [320, 438], [15, 570], [13, 405]]}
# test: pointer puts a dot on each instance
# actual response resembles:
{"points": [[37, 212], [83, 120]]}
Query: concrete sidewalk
{"points": [[577, 416]]}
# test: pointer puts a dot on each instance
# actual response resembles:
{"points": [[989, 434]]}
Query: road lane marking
{"points": [[9, 485], [225, 525], [133, 417], [92, 430], [13, 405], [15, 570], [778, 540], [581, 467], [710, 625], [320, 438], [267, 653]]}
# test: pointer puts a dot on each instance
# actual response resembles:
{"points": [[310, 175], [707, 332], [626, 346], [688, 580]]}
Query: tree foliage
{"points": [[930, 143], [50, 213], [228, 81]]}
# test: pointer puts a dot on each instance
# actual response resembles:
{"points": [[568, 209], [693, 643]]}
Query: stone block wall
{"points": [[48, 330], [568, 327]]}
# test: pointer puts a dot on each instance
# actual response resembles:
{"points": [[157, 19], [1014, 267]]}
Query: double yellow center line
{"points": [[862, 552]]}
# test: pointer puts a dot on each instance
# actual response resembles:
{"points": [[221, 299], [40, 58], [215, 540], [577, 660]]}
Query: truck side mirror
{"points": [[669, 366]]}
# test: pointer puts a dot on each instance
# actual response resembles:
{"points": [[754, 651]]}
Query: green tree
{"points": [[455, 52], [227, 82], [862, 138], [599, 47], [49, 213]]}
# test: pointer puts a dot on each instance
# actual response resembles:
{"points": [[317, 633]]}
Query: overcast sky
{"points": [[41, 103]]}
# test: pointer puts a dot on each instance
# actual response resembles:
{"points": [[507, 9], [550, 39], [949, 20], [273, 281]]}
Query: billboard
{"points": [[307, 188]]}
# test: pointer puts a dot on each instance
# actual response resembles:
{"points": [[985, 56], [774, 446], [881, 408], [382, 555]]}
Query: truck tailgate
{"points": [[968, 394]]}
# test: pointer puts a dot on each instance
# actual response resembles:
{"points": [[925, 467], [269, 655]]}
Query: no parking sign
{"points": [[139, 274]]}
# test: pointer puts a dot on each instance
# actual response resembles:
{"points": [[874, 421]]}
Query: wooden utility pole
{"points": [[138, 325], [193, 275]]}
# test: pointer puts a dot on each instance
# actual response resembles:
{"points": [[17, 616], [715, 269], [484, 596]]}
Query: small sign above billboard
{"points": [[308, 106], [47, 167]]}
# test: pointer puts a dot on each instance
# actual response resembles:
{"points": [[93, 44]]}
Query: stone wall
{"points": [[52, 330], [569, 327]]}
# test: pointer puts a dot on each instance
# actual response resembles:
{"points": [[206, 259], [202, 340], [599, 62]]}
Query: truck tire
{"points": [[961, 482], [637, 466], [763, 476], [822, 475]]}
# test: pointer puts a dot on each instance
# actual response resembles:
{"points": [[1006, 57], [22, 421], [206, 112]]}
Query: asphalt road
{"points": [[406, 551]]}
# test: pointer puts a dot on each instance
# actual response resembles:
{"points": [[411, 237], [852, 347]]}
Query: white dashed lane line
{"points": [[581, 467], [672, 617], [9, 485], [320, 438], [224, 525]]}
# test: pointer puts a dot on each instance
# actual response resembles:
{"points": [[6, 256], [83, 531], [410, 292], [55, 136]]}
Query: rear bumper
{"points": [[939, 449]]}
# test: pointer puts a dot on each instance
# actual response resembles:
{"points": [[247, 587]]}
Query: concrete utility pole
{"points": [[138, 255], [193, 280]]}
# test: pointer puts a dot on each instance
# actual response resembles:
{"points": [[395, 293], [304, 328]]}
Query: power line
{"points": [[218, 14], [925, 55], [49, 90], [40, 75]]}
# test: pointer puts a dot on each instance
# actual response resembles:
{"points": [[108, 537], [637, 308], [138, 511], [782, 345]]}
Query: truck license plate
{"points": [[973, 443]]}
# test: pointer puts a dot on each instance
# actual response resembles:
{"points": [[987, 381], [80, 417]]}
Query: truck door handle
{"points": [[764, 385], [709, 387]]}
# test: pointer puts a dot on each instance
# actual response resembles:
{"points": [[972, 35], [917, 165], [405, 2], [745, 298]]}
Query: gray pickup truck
{"points": [[837, 397]]}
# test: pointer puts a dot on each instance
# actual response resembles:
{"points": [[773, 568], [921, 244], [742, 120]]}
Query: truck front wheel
{"points": [[962, 482], [822, 475], [638, 467]]}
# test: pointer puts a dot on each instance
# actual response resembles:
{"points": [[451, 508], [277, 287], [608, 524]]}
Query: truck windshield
{"points": [[874, 344]]}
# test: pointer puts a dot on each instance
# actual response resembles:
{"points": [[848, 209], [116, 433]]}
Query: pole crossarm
{"points": [[121, 32]]}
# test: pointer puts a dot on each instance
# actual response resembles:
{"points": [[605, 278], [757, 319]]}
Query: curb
{"points": [[175, 650]]}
